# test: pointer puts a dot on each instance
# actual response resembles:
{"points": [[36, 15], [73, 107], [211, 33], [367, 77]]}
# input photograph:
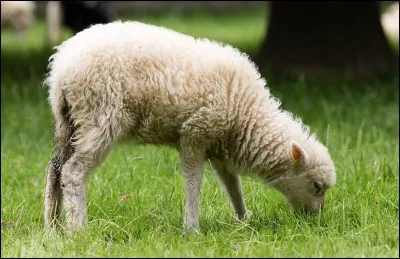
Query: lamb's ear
{"points": [[298, 153]]}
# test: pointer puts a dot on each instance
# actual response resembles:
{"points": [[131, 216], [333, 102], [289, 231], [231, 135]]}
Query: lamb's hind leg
{"points": [[192, 160], [53, 198], [232, 185], [90, 149]]}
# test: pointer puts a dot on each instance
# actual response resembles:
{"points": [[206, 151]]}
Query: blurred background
{"points": [[290, 38], [333, 63]]}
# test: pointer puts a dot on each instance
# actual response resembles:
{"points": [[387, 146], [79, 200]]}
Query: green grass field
{"points": [[136, 197]]}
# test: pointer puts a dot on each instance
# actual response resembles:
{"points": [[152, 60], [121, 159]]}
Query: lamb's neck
{"points": [[262, 143]]}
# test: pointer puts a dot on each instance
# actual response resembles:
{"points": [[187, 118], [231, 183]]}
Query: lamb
{"points": [[130, 80]]}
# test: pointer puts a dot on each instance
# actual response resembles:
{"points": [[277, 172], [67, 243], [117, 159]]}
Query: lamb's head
{"points": [[311, 173]]}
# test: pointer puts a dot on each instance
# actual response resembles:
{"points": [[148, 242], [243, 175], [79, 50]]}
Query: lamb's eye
{"points": [[318, 187]]}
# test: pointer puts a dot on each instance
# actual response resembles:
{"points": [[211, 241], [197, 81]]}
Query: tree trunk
{"points": [[79, 15], [318, 38]]}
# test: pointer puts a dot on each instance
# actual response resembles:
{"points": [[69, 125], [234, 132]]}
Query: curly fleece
{"points": [[129, 80]]}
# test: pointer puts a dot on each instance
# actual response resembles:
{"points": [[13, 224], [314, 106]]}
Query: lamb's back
{"points": [[140, 56], [158, 75]]}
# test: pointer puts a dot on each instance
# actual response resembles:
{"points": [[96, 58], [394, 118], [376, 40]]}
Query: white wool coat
{"points": [[136, 81], [155, 85]]}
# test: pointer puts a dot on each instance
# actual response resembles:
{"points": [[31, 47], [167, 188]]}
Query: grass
{"points": [[136, 196]]}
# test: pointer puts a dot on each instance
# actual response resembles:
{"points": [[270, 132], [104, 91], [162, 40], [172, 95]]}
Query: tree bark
{"points": [[326, 37]]}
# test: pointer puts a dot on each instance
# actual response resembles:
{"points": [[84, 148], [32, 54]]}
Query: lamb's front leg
{"points": [[233, 187], [192, 160]]}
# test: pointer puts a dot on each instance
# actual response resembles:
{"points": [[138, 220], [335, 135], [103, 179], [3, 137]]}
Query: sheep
{"points": [[152, 85], [18, 15]]}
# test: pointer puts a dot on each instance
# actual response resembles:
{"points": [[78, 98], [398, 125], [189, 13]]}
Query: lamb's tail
{"points": [[63, 124]]}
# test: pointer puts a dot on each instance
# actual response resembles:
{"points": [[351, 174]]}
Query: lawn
{"points": [[136, 197]]}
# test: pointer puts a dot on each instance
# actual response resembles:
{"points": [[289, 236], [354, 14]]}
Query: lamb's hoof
{"points": [[190, 231], [51, 225], [74, 230], [243, 217], [48, 228]]}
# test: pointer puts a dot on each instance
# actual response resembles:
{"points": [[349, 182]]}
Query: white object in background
{"points": [[17, 15], [390, 21], [53, 21]]}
